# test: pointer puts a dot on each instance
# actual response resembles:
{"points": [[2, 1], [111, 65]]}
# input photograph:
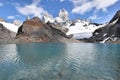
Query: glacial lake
{"points": [[59, 61]]}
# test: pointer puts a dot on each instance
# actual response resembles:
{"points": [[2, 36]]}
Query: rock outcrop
{"points": [[34, 30], [109, 33]]}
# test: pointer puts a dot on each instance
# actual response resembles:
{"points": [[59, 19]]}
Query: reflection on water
{"points": [[8, 53], [55, 61], [8, 58]]}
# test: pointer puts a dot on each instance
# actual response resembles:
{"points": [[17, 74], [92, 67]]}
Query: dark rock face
{"points": [[34, 30], [6, 35], [109, 33], [116, 16]]}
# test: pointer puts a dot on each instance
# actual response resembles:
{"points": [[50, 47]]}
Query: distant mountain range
{"points": [[60, 29]]}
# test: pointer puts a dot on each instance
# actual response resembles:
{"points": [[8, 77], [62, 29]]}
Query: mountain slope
{"points": [[6, 35], [81, 29], [77, 29], [34, 30], [109, 33], [51, 30]]}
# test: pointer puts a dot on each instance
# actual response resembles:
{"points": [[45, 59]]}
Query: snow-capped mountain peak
{"points": [[78, 28], [48, 18], [62, 17], [63, 14]]}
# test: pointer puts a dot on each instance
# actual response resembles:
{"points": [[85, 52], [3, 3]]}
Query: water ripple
{"points": [[59, 62]]}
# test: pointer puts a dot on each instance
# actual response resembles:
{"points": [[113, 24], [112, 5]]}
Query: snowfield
{"points": [[82, 29], [10, 26]]}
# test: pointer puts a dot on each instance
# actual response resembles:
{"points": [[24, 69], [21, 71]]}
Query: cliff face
{"points": [[116, 17], [34, 30], [109, 33]]}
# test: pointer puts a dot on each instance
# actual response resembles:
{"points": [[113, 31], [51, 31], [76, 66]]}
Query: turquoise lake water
{"points": [[58, 61]]}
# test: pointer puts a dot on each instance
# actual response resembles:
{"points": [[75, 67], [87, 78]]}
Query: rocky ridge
{"points": [[110, 33], [34, 30], [77, 29], [60, 29]]}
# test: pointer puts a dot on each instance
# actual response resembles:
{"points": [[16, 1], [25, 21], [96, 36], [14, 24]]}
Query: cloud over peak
{"points": [[83, 6], [31, 9]]}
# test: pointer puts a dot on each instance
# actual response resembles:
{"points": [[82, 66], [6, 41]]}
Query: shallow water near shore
{"points": [[59, 61]]}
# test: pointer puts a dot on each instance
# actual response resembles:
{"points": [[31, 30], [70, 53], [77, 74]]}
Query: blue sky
{"points": [[99, 11]]}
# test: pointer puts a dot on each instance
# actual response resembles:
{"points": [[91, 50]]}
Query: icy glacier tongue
{"points": [[82, 29], [10, 26]]}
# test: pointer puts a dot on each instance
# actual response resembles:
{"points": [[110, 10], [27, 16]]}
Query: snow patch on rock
{"points": [[10, 26]]}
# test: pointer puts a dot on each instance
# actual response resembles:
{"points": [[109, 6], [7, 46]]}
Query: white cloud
{"points": [[83, 6], [94, 17], [1, 4], [11, 17], [78, 2], [31, 9]]}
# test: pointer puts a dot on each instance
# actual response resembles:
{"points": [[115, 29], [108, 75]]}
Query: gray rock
{"points": [[6, 35], [108, 33]]}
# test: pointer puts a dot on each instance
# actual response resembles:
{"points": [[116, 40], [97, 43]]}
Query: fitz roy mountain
{"points": [[60, 29], [78, 28]]}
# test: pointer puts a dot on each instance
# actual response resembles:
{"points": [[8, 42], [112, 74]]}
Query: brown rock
{"points": [[33, 30]]}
